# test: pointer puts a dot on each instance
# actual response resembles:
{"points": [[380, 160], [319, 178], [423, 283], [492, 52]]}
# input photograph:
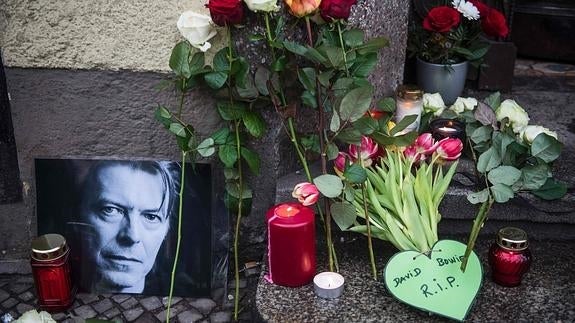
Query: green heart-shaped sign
{"points": [[435, 283]]}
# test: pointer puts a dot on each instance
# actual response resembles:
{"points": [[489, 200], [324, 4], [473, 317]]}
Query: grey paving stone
{"points": [[9, 303], [113, 312], [85, 311], [129, 303], [3, 295], [175, 300], [58, 316], [151, 303], [190, 316], [87, 298], [119, 298], [23, 307], [103, 305], [26, 296], [18, 288], [173, 312], [27, 279], [204, 305], [221, 317], [133, 314], [147, 317]]}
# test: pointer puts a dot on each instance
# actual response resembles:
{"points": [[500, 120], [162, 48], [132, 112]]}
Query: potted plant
{"points": [[447, 40]]}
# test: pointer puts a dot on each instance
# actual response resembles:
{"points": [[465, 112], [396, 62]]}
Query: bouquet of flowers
{"points": [[452, 33]]}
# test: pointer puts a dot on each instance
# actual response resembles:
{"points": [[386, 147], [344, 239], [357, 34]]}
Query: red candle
{"points": [[291, 244]]}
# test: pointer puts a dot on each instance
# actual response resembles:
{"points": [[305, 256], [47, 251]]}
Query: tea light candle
{"points": [[291, 244], [328, 284], [408, 102], [447, 128]]}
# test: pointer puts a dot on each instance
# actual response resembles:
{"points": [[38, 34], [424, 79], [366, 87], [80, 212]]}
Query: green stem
{"points": [[238, 222], [369, 242], [338, 23], [477, 225], [180, 209], [298, 150]]}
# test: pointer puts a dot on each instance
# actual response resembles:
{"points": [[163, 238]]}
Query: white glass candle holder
{"points": [[408, 101], [328, 284]]}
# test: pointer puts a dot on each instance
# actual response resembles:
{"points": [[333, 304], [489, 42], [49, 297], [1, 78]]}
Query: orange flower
{"points": [[301, 8]]}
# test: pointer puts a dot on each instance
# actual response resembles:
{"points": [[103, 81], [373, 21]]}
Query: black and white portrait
{"points": [[120, 220]]}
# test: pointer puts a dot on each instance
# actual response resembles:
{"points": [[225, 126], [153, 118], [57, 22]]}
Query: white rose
{"points": [[262, 5], [32, 316], [529, 133], [518, 118], [197, 29], [467, 9], [462, 104], [433, 103]]}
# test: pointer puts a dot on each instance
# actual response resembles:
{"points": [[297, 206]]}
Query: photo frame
{"points": [[120, 220]]}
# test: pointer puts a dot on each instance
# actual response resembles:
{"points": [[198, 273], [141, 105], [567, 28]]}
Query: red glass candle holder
{"points": [[51, 271], [509, 257], [291, 244]]}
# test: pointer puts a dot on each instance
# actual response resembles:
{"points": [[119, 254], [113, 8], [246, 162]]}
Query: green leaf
{"points": [[349, 193], [179, 59], [507, 175], [551, 190], [215, 80], [178, 129], [250, 92], [534, 177], [334, 56], [240, 70], [306, 77], [254, 123], [197, 62], [229, 111], [207, 147], [406, 121], [373, 45], [221, 136], [546, 147], [401, 141], [279, 64], [343, 214], [502, 193], [295, 48], [364, 66], [355, 174], [355, 103], [334, 124], [228, 155], [329, 185], [261, 80], [350, 136], [314, 55], [353, 37], [221, 62], [325, 77], [366, 125], [478, 197], [341, 86], [493, 100], [309, 99], [332, 151], [481, 134], [386, 104], [164, 116], [252, 159], [488, 160]]}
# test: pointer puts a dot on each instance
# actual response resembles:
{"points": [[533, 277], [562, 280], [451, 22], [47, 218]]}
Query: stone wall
{"points": [[82, 78]]}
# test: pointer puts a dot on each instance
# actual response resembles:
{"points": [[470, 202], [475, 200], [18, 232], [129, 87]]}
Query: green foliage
{"points": [[329, 185]]}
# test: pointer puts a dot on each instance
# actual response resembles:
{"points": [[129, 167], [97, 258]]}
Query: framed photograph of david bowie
{"points": [[120, 219]]}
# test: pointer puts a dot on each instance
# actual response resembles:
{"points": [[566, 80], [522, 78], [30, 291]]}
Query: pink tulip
{"points": [[412, 154], [340, 162], [306, 193], [425, 144], [367, 150], [449, 148]]}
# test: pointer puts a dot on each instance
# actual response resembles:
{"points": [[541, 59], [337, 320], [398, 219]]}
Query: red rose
{"points": [[226, 12], [331, 10], [441, 19], [494, 24]]}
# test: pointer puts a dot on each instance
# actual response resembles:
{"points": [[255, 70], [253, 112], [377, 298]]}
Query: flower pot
{"points": [[447, 80]]}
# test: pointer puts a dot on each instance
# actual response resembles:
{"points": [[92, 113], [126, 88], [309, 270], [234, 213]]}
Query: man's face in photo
{"points": [[127, 209]]}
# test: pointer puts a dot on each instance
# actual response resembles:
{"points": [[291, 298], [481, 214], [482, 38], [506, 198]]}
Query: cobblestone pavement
{"points": [[18, 295]]}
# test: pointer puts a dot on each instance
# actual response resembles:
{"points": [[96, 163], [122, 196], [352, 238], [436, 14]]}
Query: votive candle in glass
{"points": [[447, 128], [408, 101]]}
